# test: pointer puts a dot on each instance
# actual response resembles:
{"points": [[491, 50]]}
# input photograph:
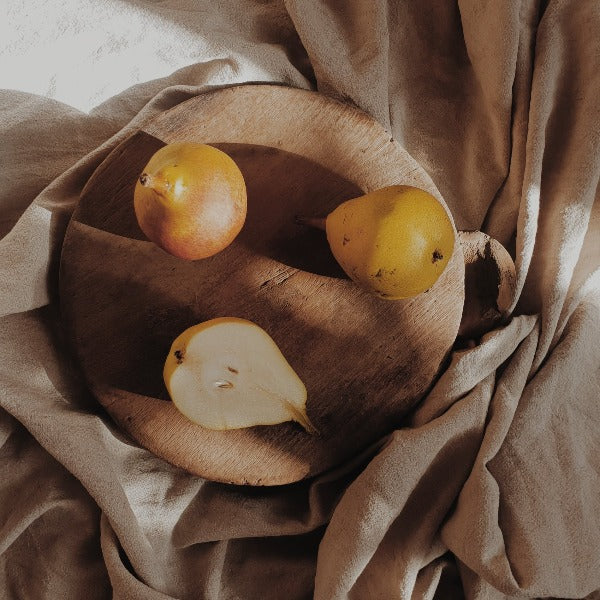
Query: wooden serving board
{"points": [[365, 361]]}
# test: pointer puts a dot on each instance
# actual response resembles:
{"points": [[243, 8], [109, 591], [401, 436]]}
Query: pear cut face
{"points": [[228, 373]]}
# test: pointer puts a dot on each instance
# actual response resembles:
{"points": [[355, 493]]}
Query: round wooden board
{"points": [[365, 361]]}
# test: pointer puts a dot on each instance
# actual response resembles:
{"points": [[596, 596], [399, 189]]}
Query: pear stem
{"points": [[302, 418], [296, 414], [160, 185], [317, 222], [146, 180]]}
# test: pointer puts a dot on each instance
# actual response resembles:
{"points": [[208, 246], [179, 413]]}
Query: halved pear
{"points": [[228, 373]]}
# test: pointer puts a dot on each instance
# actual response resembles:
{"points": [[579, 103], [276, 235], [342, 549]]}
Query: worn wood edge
{"points": [[163, 127], [199, 463], [490, 283]]}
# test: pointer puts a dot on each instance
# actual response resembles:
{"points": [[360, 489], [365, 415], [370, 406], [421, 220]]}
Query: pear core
{"points": [[228, 373]]}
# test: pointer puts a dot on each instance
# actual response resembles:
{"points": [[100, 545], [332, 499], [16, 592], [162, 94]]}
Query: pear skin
{"points": [[190, 200], [395, 242]]}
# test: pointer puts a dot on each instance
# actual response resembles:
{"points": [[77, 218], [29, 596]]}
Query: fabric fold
{"points": [[491, 488]]}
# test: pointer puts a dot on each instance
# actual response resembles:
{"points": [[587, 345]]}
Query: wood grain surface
{"points": [[365, 361]]}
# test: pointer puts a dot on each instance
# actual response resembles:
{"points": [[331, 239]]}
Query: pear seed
{"points": [[223, 384]]}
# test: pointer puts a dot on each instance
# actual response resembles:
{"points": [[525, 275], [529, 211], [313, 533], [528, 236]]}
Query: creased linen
{"points": [[491, 489]]}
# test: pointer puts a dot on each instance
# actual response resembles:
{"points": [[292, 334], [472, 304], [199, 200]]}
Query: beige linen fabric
{"points": [[492, 488]]}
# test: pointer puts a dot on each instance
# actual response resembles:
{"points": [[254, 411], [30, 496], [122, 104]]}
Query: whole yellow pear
{"points": [[190, 200], [395, 241]]}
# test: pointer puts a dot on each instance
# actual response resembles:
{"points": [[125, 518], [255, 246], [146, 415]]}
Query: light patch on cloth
{"points": [[85, 52]]}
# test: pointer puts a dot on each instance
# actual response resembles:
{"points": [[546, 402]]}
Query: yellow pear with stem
{"points": [[190, 200], [395, 241]]}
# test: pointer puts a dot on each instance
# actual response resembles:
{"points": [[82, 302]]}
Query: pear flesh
{"points": [[228, 373]]}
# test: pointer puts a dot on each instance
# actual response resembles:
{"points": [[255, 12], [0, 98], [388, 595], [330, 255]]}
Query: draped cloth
{"points": [[492, 488]]}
